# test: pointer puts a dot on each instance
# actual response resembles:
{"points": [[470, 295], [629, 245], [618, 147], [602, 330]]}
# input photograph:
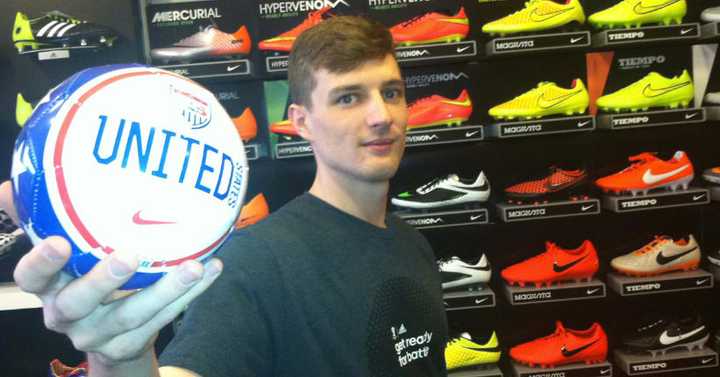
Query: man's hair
{"points": [[339, 45]]}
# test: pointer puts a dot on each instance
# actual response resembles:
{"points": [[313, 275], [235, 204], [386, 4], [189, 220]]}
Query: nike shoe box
{"points": [[429, 32], [247, 110], [199, 39], [281, 21]]}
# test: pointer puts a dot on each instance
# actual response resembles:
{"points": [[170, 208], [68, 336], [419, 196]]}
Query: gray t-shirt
{"points": [[314, 291]]}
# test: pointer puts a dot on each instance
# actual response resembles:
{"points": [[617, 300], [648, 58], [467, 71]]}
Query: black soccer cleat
{"points": [[58, 30]]}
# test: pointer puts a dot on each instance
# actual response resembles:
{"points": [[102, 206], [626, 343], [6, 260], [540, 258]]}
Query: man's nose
{"points": [[378, 113]]}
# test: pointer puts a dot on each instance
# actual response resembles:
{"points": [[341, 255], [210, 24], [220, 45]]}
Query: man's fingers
{"points": [[6, 200], [179, 285], [85, 294], [133, 339], [39, 268]]}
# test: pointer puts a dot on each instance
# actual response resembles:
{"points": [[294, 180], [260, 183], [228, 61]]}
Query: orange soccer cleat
{"points": [[432, 28], [246, 125], [253, 211], [564, 346], [648, 172], [207, 42], [284, 127], [553, 265], [438, 110], [284, 41]]}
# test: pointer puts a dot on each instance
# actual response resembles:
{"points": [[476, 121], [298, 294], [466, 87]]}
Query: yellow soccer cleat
{"points": [[629, 13], [653, 90], [23, 110], [536, 16], [545, 99], [464, 352]]}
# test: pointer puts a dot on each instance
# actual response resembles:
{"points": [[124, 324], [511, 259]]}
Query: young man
{"points": [[328, 285]]}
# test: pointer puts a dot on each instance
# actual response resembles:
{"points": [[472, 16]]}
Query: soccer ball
{"points": [[129, 157]]}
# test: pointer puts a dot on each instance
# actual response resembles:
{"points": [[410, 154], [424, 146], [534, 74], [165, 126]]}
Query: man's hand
{"points": [[114, 331]]}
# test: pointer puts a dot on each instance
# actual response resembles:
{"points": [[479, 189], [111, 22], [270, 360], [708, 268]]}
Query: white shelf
{"points": [[12, 298]]}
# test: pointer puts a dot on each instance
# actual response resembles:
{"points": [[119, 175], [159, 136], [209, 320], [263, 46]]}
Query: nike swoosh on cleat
{"points": [[573, 40], [639, 8], [536, 16], [662, 260], [465, 102], [568, 353], [667, 340], [140, 221], [650, 92], [561, 268], [548, 103], [650, 179], [462, 49]]}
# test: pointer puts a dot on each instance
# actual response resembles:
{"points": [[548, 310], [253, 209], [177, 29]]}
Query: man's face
{"points": [[357, 121]]}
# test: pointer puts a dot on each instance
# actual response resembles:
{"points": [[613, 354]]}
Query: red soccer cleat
{"points": [[648, 172], [284, 127], [564, 346], [555, 264], [253, 211], [432, 28], [246, 125], [438, 110], [284, 41]]}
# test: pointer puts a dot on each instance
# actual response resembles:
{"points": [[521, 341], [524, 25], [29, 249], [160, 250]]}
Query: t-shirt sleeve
{"points": [[227, 331]]}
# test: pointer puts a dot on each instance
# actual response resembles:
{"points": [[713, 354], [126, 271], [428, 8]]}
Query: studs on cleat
{"points": [[83, 42]]}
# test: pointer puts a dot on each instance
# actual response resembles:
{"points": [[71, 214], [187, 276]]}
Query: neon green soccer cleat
{"points": [[23, 110], [653, 90], [629, 13], [463, 351], [546, 99], [537, 15]]}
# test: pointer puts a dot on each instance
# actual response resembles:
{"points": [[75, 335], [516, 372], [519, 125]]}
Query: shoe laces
{"points": [[60, 16], [415, 19], [435, 183], [534, 90], [653, 245], [422, 100], [639, 160]]}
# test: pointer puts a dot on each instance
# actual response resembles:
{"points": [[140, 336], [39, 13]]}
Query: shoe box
{"points": [[166, 23], [289, 17], [611, 71]]}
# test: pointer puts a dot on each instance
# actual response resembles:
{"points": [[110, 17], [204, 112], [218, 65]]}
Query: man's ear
{"points": [[298, 116]]}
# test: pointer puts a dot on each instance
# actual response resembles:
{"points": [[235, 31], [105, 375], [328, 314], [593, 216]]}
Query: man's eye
{"points": [[346, 99], [393, 93]]}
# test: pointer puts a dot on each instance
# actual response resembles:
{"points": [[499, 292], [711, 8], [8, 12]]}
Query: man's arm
{"points": [[117, 334]]}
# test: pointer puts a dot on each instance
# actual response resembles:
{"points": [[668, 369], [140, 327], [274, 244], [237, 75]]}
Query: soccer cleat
{"points": [[284, 127], [284, 41], [714, 257], [9, 242], [432, 28], [448, 191], [635, 13], [653, 90], [58, 369], [647, 172], [661, 255], [662, 335], [556, 183], [462, 351], [57, 30], [555, 264], [564, 346], [437, 110], [253, 211], [246, 125], [23, 110], [538, 15], [208, 42], [713, 98], [545, 99], [456, 272], [711, 14], [712, 175]]}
